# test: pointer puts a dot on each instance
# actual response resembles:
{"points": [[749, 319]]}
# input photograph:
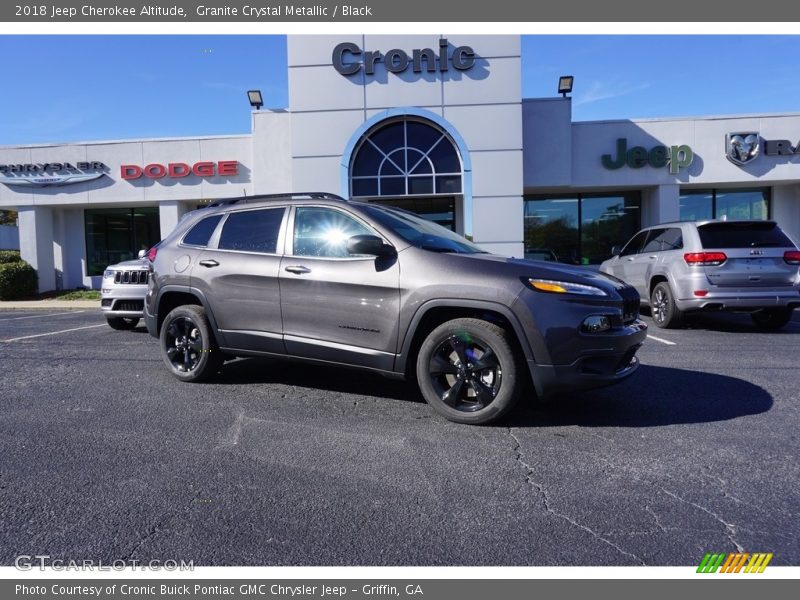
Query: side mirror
{"points": [[615, 250], [141, 254], [368, 244]]}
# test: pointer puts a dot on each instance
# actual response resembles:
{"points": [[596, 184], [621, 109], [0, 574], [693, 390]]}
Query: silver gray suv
{"points": [[748, 266], [316, 278], [122, 292]]}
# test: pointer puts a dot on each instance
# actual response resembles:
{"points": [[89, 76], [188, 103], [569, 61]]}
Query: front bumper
{"points": [[123, 301], [608, 359]]}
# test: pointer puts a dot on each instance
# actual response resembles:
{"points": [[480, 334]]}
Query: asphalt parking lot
{"points": [[103, 455]]}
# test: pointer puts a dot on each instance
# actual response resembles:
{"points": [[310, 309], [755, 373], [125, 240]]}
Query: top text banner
{"points": [[447, 11]]}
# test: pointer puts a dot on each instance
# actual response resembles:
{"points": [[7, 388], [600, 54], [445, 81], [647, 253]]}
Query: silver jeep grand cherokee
{"points": [[746, 266], [122, 292]]}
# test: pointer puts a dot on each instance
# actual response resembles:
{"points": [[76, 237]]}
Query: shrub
{"points": [[17, 280], [9, 256]]}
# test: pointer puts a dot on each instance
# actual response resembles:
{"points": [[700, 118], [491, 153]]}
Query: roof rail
{"points": [[292, 195]]}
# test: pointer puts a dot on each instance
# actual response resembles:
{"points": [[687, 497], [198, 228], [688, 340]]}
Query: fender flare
{"points": [[185, 289], [402, 358]]}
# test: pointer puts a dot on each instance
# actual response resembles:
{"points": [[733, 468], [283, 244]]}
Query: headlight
{"points": [[565, 287], [108, 274]]}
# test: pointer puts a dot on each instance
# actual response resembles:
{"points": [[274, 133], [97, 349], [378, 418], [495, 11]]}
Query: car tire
{"points": [[467, 393], [663, 309], [188, 346], [771, 319], [123, 323]]}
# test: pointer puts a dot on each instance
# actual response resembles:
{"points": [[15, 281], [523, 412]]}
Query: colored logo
{"points": [[735, 562], [742, 147], [675, 157]]}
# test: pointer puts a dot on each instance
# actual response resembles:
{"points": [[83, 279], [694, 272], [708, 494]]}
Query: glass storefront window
{"points": [[697, 206], [734, 205], [742, 204], [117, 234], [580, 229], [607, 221], [551, 229]]}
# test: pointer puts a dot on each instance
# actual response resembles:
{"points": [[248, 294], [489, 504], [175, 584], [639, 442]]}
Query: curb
{"points": [[45, 305]]}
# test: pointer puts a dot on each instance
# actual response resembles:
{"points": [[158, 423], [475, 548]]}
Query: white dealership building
{"points": [[434, 123]]}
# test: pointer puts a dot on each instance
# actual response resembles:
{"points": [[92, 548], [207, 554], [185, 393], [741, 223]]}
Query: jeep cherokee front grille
{"points": [[133, 277]]}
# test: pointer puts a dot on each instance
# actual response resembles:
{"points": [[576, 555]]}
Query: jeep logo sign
{"points": [[349, 59], [677, 157]]}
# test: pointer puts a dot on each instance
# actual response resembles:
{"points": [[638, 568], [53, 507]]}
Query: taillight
{"points": [[792, 257], [151, 254], [704, 259]]}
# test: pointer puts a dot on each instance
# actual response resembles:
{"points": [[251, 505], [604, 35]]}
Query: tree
{"points": [[8, 217]]}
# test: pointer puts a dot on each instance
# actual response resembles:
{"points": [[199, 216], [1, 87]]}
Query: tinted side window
{"points": [[324, 232], [661, 240], [653, 244], [252, 230], [201, 233], [635, 244], [744, 234]]}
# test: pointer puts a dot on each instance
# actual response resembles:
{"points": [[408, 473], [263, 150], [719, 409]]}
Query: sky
{"points": [[85, 88]]}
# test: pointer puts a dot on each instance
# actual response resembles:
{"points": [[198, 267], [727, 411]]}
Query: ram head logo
{"points": [[742, 147]]}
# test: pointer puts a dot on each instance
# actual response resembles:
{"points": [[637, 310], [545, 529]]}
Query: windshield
{"points": [[420, 232]]}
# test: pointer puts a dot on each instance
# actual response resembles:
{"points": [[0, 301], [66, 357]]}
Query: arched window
{"points": [[405, 158]]}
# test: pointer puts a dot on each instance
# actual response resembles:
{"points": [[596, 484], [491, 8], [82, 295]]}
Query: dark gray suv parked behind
{"points": [[317, 278]]}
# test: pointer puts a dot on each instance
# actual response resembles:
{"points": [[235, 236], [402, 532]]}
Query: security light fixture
{"points": [[565, 85], [255, 98]]}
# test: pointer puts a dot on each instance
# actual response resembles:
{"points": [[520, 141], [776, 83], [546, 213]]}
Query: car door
{"points": [[622, 266], [239, 277], [640, 268], [337, 307]]}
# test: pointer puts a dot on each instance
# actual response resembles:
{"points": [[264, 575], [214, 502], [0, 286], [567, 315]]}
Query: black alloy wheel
{"points": [[470, 371], [465, 373], [188, 346], [184, 344]]}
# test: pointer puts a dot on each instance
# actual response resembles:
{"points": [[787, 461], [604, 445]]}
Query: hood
{"points": [[136, 263], [553, 270]]}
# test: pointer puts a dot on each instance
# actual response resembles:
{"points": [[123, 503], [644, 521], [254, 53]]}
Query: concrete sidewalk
{"points": [[50, 305]]}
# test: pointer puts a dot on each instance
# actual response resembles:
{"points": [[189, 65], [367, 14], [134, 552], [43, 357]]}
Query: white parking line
{"points": [[70, 312], [662, 340], [27, 337]]}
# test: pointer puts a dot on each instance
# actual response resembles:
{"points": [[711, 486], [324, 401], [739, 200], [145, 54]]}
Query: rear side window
{"points": [[635, 244], [747, 234], [252, 231], [662, 240], [201, 233]]}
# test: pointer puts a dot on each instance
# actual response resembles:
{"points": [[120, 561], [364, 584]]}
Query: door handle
{"points": [[630, 259], [653, 256], [209, 263], [298, 269]]}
